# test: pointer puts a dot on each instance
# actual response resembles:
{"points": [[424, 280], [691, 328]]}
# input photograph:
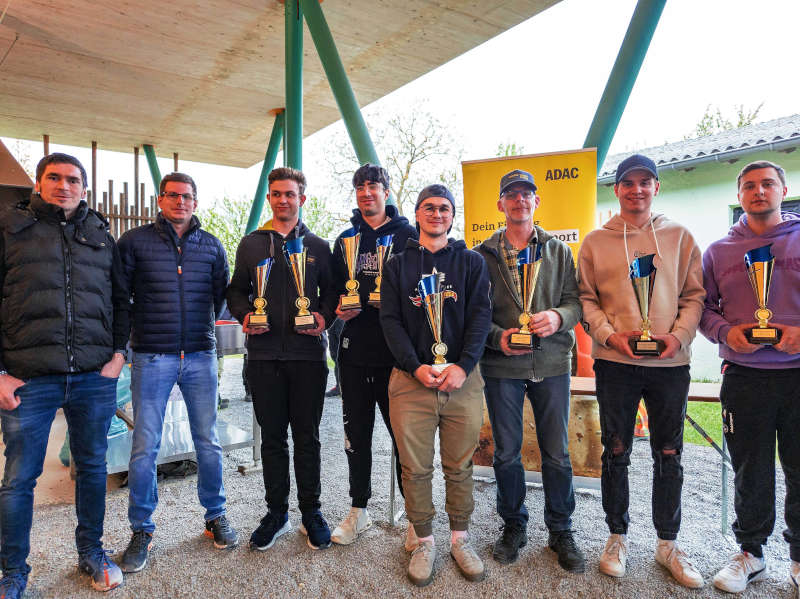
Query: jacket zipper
{"points": [[68, 298], [179, 262]]}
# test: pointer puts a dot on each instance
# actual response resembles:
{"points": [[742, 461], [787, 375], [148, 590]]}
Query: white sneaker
{"points": [[614, 556], [794, 577], [678, 564], [740, 570], [356, 522], [412, 540]]}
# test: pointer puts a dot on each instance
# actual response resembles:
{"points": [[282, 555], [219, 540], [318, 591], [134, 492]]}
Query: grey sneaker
{"points": [[105, 574], [420, 568], [468, 561], [356, 522]]}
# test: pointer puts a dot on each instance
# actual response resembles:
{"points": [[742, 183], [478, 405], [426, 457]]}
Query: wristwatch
{"points": [[2, 372]]}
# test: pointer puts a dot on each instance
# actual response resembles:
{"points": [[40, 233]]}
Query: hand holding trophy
{"points": [[432, 296], [759, 264], [643, 277], [258, 319], [350, 240], [296, 257], [529, 262], [383, 248]]}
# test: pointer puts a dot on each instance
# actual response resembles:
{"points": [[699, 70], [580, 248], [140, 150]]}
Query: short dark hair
{"points": [[59, 158], [177, 178], [371, 172], [761, 164], [287, 172]]}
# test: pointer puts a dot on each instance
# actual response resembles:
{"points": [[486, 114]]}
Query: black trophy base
{"points": [[303, 323], [763, 336], [524, 341], [349, 302], [258, 321], [375, 299], [646, 347]]}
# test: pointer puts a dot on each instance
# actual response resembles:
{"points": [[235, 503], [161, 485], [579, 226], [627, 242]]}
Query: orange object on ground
{"points": [[642, 429]]}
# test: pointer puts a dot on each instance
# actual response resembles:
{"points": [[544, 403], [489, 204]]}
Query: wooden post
{"points": [[109, 208], [103, 207], [175, 161], [46, 140], [136, 182], [94, 175], [141, 204], [124, 208]]}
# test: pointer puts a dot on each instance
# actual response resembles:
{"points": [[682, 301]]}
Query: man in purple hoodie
{"points": [[760, 393]]}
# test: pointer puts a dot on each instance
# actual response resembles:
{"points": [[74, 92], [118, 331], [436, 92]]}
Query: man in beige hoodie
{"points": [[611, 316]]}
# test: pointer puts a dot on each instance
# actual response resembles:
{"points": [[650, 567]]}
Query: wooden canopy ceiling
{"points": [[200, 77]]}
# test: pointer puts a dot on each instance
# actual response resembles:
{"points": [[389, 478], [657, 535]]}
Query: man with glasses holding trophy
{"points": [[641, 327], [533, 287], [282, 293], [752, 311], [435, 314]]}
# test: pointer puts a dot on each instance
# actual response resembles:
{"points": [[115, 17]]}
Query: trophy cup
{"points": [[350, 240], [759, 263], [383, 248], [258, 319], [529, 261], [432, 296], [296, 257], [643, 276]]}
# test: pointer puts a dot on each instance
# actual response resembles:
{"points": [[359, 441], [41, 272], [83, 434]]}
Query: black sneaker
{"points": [[224, 535], [333, 392], [272, 526], [506, 548], [569, 556], [135, 556], [316, 529]]}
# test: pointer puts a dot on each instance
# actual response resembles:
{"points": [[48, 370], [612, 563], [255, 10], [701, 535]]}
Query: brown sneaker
{"points": [[468, 561], [420, 568]]}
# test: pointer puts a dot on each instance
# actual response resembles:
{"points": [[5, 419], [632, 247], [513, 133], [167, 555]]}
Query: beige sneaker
{"points": [[420, 568], [614, 556], [356, 522], [678, 564], [468, 561], [412, 540], [794, 577]]}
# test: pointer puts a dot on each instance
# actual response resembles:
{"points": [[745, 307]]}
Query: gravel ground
{"points": [[183, 562]]}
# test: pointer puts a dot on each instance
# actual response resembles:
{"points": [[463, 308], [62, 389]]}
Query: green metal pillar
{"points": [[623, 76], [269, 162], [340, 85], [150, 153], [294, 84]]}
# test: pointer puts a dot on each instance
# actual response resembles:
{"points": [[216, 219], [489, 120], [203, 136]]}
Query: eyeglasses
{"points": [[430, 210], [171, 195], [512, 194]]}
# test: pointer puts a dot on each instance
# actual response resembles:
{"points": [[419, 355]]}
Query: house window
{"points": [[789, 205]]}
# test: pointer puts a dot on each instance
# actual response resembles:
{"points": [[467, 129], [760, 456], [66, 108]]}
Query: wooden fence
{"points": [[125, 212]]}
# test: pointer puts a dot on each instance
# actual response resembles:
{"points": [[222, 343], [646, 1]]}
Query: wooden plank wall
{"points": [[126, 211]]}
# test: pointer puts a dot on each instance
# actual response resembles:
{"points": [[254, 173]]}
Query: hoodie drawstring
{"points": [[625, 239]]}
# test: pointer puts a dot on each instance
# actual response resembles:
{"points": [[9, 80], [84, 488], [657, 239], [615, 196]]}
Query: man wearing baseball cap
{"points": [[612, 317], [543, 375]]}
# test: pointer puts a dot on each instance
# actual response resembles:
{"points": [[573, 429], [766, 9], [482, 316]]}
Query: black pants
{"points": [[757, 405], [664, 390], [289, 393], [362, 388]]}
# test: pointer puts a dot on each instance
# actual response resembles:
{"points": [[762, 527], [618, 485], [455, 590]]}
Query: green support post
{"points": [[269, 162], [294, 84], [150, 153], [623, 76]]}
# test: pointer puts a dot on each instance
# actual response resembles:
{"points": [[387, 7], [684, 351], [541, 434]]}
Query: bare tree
{"points": [[713, 121]]}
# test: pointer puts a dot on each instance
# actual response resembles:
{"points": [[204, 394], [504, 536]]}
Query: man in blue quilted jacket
{"points": [[177, 275]]}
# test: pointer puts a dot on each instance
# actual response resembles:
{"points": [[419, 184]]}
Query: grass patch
{"points": [[708, 416]]}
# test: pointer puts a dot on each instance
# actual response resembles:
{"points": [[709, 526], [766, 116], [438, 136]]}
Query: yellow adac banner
{"points": [[567, 186]]}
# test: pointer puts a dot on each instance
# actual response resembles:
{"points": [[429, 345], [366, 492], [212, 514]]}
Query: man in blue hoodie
{"points": [[365, 361], [449, 398], [760, 393]]}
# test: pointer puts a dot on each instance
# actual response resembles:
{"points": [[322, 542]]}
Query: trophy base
{"points": [[524, 341], [646, 347], [303, 323], [763, 336], [439, 368], [349, 302], [375, 299], [258, 321]]}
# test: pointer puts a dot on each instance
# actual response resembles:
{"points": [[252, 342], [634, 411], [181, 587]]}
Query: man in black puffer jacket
{"points": [[177, 275], [286, 368], [64, 323]]}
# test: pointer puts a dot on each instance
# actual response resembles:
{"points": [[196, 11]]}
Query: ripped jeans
{"points": [[664, 390]]}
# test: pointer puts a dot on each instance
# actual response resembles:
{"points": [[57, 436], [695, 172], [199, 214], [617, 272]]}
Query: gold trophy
{"points": [[529, 261], [759, 263], [432, 296], [643, 277], [350, 240], [383, 248], [296, 257], [258, 319]]}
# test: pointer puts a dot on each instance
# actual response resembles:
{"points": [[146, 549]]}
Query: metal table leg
{"points": [[255, 465], [394, 517]]}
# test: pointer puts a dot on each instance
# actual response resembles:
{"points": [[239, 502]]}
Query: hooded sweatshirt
{"points": [[465, 318], [362, 341], [730, 299], [607, 295], [281, 341]]}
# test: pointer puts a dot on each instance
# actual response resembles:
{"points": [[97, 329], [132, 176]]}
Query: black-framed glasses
{"points": [[171, 195]]}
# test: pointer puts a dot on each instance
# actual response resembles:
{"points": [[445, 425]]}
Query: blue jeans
{"points": [[550, 401], [154, 375], [89, 401]]}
